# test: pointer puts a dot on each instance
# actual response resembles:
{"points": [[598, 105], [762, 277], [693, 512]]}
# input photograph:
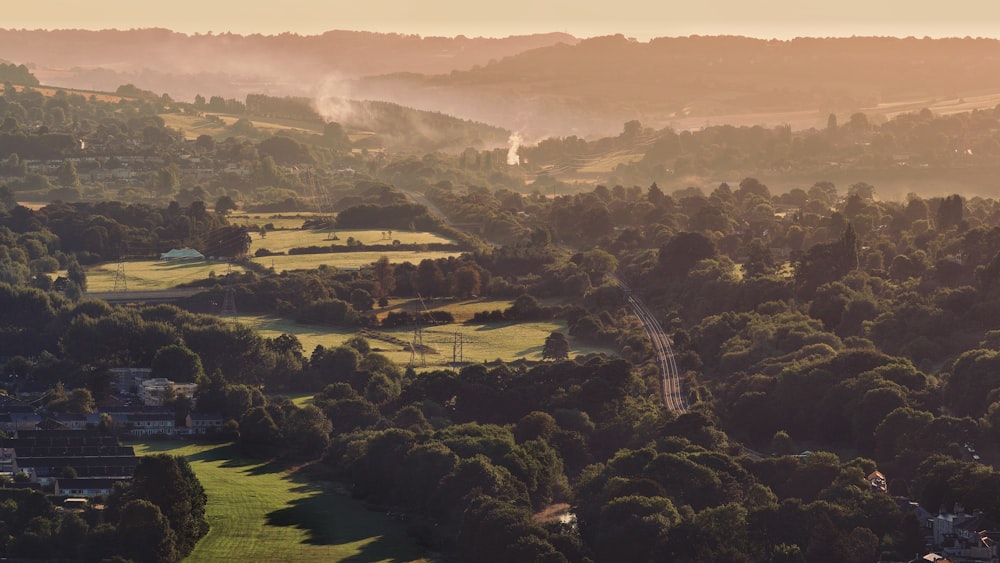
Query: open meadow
{"points": [[148, 275], [347, 260], [283, 240], [194, 126], [444, 343], [261, 512]]}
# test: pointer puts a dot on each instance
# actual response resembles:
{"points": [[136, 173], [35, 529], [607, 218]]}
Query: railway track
{"points": [[670, 377]]}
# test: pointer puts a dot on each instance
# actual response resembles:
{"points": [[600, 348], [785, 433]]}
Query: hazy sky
{"points": [[641, 19]]}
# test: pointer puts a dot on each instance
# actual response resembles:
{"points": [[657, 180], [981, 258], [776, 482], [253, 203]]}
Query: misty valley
{"points": [[382, 297]]}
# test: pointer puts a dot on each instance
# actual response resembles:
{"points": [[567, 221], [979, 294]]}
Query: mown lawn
{"points": [[260, 512]]}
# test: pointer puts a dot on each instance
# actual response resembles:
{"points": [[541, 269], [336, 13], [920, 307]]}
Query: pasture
{"points": [[347, 260], [150, 275], [286, 239], [261, 512], [195, 125], [445, 343]]}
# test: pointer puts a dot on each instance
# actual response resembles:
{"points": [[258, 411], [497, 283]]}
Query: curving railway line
{"points": [[670, 377]]}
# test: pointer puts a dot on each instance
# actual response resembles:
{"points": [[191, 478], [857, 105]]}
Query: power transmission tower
{"points": [[417, 346], [457, 354], [229, 301], [120, 282]]}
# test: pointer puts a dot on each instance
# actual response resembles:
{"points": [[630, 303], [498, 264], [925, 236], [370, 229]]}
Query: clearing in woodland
{"points": [[466, 343], [149, 275], [261, 512]]}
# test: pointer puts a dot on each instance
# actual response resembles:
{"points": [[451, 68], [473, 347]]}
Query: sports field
{"points": [[261, 512]]}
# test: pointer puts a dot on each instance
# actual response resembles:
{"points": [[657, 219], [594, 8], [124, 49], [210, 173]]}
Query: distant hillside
{"points": [[539, 85], [233, 65], [598, 84]]}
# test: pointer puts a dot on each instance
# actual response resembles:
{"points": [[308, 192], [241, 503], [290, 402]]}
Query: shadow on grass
{"points": [[169, 266], [157, 447], [331, 519], [494, 326], [235, 459], [220, 452], [532, 350]]}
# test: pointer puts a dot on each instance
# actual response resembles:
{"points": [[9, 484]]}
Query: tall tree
{"points": [[949, 212], [556, 347], [170, 484], [145, 535]]}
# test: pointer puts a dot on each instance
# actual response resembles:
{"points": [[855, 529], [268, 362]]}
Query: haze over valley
{"points": [[574, 287], [542, 85]]}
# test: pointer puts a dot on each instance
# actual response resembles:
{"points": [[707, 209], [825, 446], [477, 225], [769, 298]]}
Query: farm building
{"points": [[182, 254]]}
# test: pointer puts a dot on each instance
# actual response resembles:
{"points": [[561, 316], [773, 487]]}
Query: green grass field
{"points": [[145, 275], [349, 260], [195, 125], [284, 240], [259, 512], [479, 343]]}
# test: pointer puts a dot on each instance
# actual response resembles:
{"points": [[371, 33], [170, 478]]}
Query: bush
{"points": [[396, 319], [482, 317], [327, 311], [437, 317]]}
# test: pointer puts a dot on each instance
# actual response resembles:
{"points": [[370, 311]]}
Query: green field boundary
{"points": [[267, 511]]}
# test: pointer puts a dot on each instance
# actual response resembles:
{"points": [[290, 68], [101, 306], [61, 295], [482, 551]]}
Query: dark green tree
{"points": [[145, 534], [178, 363], [556, 347]]}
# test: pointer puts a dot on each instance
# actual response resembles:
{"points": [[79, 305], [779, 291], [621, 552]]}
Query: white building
{"points": [[152, 391]]}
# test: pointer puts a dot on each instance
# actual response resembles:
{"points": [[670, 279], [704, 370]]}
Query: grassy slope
{"points": [[283, 240], [154, 274], [144, 275], [347, 259], [260, 513], [195, 125], [486, 342]]}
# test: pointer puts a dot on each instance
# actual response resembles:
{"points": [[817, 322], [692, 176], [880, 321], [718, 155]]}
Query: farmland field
{"points": [[258, 512], [196, 125], [283, 240], [350, 260], [145, 275], [193, 126], [479, 343]]}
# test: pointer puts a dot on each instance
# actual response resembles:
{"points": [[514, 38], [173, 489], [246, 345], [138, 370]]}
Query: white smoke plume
{"points": [[515, 140], [332, 99]]}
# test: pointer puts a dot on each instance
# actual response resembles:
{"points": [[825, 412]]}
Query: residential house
{"points": [[87, 487], [202, 423], [46, 455], [141, 424], [71, 421], [127, 379], [152, 391], [965, 537], [10, 423], [877, 481]]}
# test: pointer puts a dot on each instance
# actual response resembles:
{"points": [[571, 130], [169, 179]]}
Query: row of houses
{"points": [[146, 420], [958, 536], [72, 462]]}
